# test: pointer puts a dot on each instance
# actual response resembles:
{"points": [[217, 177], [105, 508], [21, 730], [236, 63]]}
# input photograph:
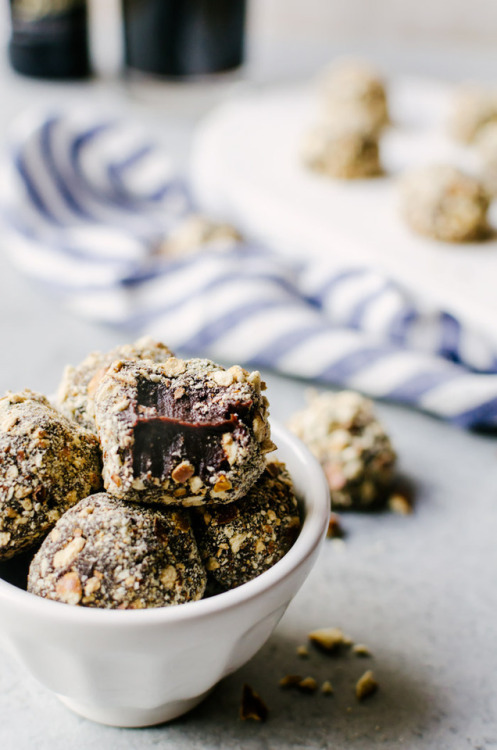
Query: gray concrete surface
{"points": [[420, 591]]}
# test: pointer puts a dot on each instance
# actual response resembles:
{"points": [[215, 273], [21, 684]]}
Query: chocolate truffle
{"points": [[109, 554], [78, 383], [473, 107], [355, 452], [353, 88], [184, 432], [486, 145], [47, 464], [241, 540], [342, 149], [441, 202]]}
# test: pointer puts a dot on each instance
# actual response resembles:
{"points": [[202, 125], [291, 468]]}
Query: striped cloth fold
{"points": [[87, 203]]}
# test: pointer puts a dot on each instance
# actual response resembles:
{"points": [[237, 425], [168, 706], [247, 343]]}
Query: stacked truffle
{"points": [[344, 144], [190, 498]]}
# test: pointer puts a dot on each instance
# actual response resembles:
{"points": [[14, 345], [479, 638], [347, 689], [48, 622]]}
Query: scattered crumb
{"points": [[335, 529], [252, 705], [330, 640], [366, 686], [361, 650], [308, 685], [400, 504], [303, 652], [327, 688], [290, 681]]}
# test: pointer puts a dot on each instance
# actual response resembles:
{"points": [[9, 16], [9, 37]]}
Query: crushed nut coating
{"points": [[355, 452], [74, 396], [240, 541], [252, 706], [366, 686], [184, 432], [330, 640], [106, 553], [47, 464]]}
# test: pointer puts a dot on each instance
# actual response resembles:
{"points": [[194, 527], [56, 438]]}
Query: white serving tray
{"points": [[246, 168]]}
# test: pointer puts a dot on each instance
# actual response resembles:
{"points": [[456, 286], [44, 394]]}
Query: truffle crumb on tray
{"points": [[47, 464], [356, 454], [184, 432], [240, 541], [74, 395], [110, 554]]}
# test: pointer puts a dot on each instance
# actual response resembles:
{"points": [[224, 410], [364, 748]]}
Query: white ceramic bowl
{"points": [[141, 667]]}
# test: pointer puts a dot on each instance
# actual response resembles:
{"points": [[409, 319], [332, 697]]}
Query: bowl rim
{"points": [[311, 534]]}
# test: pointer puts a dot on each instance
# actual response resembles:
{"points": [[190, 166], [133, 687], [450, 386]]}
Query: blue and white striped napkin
{"points": [[87, 204]]}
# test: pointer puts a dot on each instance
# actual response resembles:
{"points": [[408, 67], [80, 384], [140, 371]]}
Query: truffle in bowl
{"points": [[140, 667]]}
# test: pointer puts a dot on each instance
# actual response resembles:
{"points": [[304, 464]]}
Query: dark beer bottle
{"points": [[177, 38], [50, 38]]}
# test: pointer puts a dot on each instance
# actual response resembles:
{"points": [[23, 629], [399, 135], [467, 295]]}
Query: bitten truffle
{"points": [[106, 553], [74, 396], [240, 541], [442, 202], [355, 452], [47, 464], [184, 432]]}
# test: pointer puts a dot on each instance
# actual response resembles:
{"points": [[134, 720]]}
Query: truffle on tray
{"points": [[47, 464], [78, 383], [473, 107], [342, 149], [354, 87], [441, 202], [353, 448], [109, 554], [241, 540], [183, 432]]}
